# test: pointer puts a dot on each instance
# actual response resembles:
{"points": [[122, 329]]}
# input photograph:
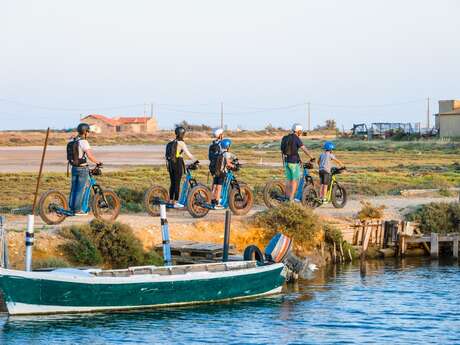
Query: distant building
{"points": [[447, 121], [122, 124]]}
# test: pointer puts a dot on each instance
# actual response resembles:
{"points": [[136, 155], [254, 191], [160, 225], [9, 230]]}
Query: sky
{"points": [[354, 61]]}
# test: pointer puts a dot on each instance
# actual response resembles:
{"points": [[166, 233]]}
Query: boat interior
{"points": [[174, 270]]}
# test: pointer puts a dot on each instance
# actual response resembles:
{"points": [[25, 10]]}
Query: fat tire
{"points": [[310, 197], [98, 213], [195, 210], [154, 191], [232, 202], [43, 207], [344, 196], [268, 200]]}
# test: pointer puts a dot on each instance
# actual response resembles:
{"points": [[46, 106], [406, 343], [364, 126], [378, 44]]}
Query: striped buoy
{"points": [[165, 236]]}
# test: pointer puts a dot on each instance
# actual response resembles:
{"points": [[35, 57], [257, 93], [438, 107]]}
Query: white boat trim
{"points": [[139, 278], [33, 309]]}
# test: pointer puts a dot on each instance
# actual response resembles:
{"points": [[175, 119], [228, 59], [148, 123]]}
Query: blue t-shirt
{"points": [[296, 144]]}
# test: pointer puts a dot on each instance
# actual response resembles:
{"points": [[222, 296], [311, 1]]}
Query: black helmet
{"points": [[83, 128], [180, 132]]}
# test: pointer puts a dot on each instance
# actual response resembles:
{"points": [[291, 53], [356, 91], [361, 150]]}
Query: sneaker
{"points": [[213, 202], [219, 207], [177, 205], [297, 200], [80, 213]]}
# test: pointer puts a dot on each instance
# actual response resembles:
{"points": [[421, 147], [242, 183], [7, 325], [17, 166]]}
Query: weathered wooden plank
{"points": [[367, 235], [434, 250], [455, 247]]}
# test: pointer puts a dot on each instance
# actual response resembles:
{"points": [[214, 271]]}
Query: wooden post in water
{"points": [[228, 217], [434, 250], [455, 246]]}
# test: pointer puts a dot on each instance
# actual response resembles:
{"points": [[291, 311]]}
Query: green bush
{"points": [[113, 244], [293, 220], [51, 262], [131, 199], [81, 248], [437, 217]]}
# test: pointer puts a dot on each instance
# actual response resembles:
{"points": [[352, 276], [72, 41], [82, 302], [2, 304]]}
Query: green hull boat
{"points": [[77, 291]]}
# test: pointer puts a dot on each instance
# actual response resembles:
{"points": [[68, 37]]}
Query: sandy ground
{"points": [[395, 209], [27, 158]]}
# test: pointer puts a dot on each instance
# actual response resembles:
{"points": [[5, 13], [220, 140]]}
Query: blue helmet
{"points": [[329, 146], [226, 143]]}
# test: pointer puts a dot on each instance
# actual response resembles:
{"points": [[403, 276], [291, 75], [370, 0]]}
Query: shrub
{"points": [[438, 217], [369, 211], [51, 262], [113, 244], [117, 243], [131, 199], [81, 248], [293, 220]]}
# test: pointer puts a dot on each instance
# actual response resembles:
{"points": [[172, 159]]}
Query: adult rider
{"points": [[80, 169], [290, 145]]}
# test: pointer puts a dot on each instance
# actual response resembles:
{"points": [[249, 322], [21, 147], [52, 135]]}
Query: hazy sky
{"points": [[263, 59]]}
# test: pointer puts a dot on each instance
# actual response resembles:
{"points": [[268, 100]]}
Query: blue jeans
{"points": [[80, 182]]}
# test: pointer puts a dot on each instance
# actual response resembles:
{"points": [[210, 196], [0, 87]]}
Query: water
{"points": [[410, 301]]}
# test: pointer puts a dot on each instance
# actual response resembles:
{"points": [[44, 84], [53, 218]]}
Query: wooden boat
{"points": [[76, 291]]}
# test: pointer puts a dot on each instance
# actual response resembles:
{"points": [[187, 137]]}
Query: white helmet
{"points": [[297, 127], [218, 132]]}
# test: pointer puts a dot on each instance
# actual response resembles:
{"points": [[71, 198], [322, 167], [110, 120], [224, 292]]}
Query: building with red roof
{"points": [[121, 124]]}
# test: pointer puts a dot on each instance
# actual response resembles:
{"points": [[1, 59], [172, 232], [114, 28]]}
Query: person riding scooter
{"points": [[223, 164], [175, 164], [78, 153]]}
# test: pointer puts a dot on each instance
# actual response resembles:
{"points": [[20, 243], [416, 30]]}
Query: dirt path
{"points": [[395, 209]]}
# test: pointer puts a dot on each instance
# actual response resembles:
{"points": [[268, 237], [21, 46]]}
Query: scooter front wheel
{"points": [[339, 196], [49, 202], [152, 198], [107, 209], [310, 197], [240, 200], [197, 198]]}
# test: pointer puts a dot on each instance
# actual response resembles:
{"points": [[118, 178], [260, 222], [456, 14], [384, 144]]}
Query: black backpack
{"points": [[213, 155], [286, 145], [73, 153], [171, 151], [221, 164]]}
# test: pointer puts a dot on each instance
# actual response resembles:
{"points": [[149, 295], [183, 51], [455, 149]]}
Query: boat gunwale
{"points": [[137, 278]]}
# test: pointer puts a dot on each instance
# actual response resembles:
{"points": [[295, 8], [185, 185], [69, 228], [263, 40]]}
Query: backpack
{"points": [[286, 145], [221, 164], [73, 153], [171, 151], [213, 154]]}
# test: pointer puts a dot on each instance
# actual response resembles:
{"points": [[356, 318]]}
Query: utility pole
{"points": [[222, 115], [151, 109], [428, 113], [308, 117]]}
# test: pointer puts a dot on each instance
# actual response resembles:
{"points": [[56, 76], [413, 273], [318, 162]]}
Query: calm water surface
{"points": [[410, 301]]}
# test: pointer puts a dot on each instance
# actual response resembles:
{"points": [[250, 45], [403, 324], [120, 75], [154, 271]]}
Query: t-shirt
{"points": [[182, 148], [296, 144], [325, 161], [83, 147]]}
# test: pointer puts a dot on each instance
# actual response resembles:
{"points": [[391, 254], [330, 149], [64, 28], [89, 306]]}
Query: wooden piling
{"points": [[455, 247], [434, 250]]}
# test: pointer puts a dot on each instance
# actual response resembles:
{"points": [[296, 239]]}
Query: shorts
{"points": [[324, 177], [292, 171], [218, 180]]}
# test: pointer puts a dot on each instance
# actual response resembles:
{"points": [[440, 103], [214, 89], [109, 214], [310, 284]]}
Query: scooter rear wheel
{"points": [[154, 192], [241, 201], [109, 211], [274, 191], [198, 196], [48, 203]]}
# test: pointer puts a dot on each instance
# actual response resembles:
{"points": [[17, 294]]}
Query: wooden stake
{"points": [[349, 254], [40, 171], [434, 245]]}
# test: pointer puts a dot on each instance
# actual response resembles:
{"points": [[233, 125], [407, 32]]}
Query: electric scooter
{"points": [[235, 195], [104, 203]]}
